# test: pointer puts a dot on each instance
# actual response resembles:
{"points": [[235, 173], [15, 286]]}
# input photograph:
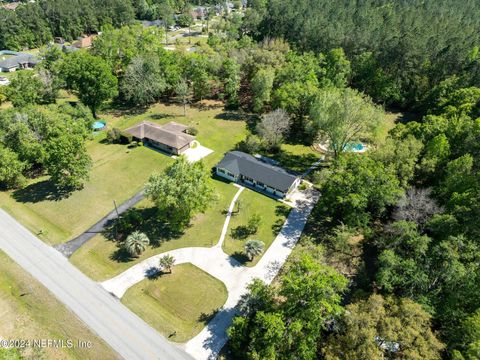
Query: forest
{"points": [[389, 265]]}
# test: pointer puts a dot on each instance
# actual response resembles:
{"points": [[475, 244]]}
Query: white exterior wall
{"points": [[224, 175]]}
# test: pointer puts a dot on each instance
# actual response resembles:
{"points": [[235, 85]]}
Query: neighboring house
{"points": [[170, 137], [11, 61], [245, 169], [84, 42]]}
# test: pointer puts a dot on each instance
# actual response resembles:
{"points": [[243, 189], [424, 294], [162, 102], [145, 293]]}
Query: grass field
{"points": [[117, 174], [29, 311], [179, 304], [98, 258], [273, 214]]}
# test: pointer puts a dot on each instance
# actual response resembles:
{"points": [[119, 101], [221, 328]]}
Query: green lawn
{"points": [[117, 174], [101, 259], [273, 214], [30, 311], [178, 305]]}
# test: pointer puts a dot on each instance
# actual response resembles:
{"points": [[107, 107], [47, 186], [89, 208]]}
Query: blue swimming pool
{"points": [[99, 125], [355, 147]]}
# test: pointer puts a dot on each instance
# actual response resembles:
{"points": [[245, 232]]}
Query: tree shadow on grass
{"points": [[41, 191], [297, 163], [162, 116], [121, 256], [206, 318], [241, 232], [145, 220]]}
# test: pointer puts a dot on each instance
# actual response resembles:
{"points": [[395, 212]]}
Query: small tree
{"points": [[253, 223], [166, 262], [254, 248], [136, 243], [181, 191], [182, 90], [273, 127]]}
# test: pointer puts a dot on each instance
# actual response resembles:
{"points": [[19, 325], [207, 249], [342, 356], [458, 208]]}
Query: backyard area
{"points": [[179, 304], [30, 311]]}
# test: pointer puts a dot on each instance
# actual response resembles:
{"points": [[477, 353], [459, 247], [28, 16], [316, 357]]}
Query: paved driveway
{"points": [[208, 343], [197, 153], [125, 332]]}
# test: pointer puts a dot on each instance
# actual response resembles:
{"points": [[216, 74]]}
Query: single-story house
{"points": [[11, 61], [246, 169], [171, 137]]}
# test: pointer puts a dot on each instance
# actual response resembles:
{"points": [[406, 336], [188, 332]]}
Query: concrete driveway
{"points": [[197, 153], [236, 277]]}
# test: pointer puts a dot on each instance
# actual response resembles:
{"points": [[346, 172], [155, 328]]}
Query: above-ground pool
{"points": [[99, 125], [355, 147]]}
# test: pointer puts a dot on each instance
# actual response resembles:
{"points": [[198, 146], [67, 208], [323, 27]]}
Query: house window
{"points": [[260, 184], [221, 171], [248, 179]]}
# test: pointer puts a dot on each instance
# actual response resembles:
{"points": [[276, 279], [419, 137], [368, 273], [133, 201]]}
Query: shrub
{"points": [[113, 135], [250, 145], [192, 130], [253, 223]]}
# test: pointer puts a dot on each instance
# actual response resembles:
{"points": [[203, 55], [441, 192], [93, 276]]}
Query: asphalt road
{"points": [[104, 314]]}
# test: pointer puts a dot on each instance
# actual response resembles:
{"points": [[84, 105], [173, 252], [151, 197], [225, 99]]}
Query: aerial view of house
{"points": [[170, 137], [239, 180], [246, 169], [11, 61]]}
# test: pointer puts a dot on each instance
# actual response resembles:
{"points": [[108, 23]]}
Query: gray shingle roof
{"points": [[240, 163], [169, 134], [14, 61]]}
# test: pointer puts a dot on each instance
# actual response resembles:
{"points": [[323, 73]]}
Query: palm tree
{"points": [[166, 262], [254, 248], [136, 243]]}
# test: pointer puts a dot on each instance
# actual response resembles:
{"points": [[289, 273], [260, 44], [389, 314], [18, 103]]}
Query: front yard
{"points": [[101, 258], [179, 304], [272, 213], [117, 174]]}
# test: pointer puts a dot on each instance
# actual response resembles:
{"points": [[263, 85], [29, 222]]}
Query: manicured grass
{"points": [[101, 259], [218, 130], [273, 214], [117, 174], [179, 304], [30, 311]]}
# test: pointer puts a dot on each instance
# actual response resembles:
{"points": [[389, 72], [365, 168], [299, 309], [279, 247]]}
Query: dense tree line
{"points": [[399, 50], [46, 140], [414, 202], [34, 24]]}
